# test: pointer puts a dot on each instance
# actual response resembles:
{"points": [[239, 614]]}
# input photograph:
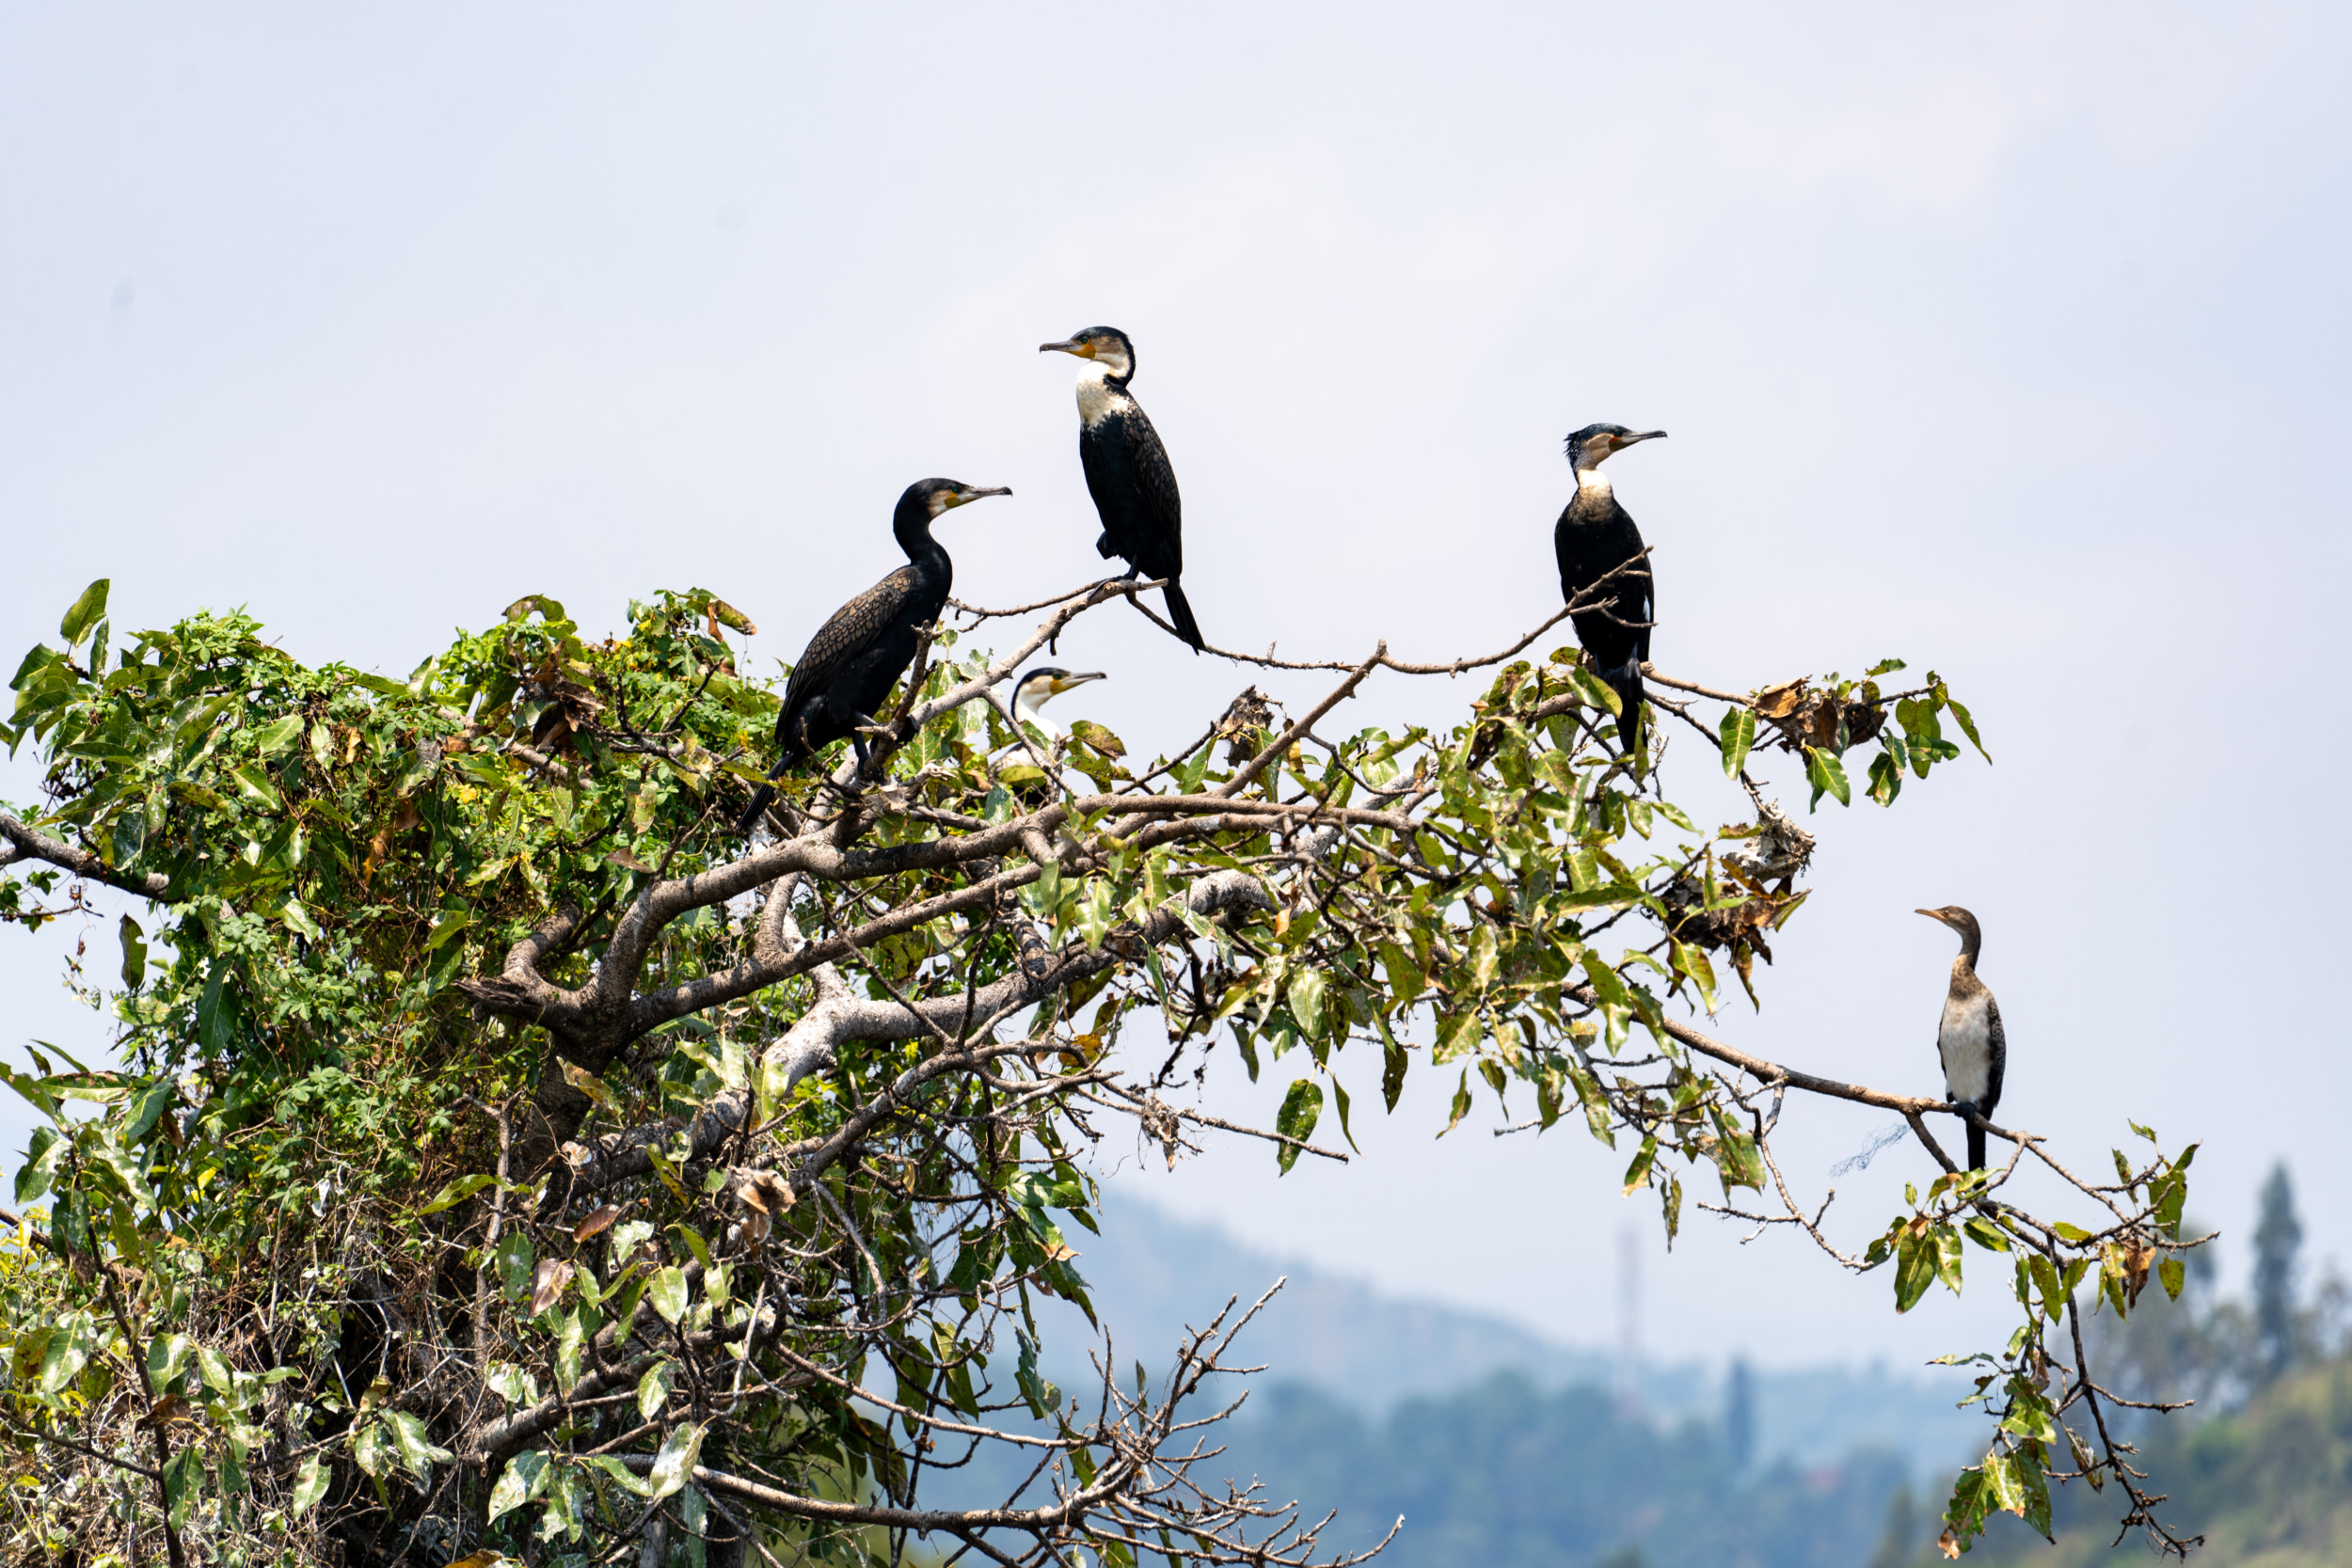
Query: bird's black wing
{"points": [[846, 633], [1996, 1051], [1155, 480], [1648, 602]]}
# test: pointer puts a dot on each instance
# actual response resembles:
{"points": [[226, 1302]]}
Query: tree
{"points": [[506, 1159], [1739, 1417], [2277, 1242]]}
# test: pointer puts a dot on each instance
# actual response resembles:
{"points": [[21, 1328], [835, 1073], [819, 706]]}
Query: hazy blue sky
{"points": [[2009, 339]]}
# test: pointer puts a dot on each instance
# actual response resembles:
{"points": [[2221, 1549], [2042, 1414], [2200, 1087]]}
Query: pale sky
{"points": [[2010, 341]]}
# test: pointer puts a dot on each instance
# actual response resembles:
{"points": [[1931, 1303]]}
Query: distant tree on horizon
{"points": [[2278, 1266]]}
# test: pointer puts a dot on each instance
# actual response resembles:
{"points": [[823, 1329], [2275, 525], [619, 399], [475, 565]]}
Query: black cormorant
{"points": [[1040, 686], [1127, 470], [1970, 1040], [1594, 537], [866, 645]]}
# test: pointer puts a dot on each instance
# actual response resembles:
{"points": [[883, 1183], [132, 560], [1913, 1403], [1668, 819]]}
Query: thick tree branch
{"points": [[24, 844]]}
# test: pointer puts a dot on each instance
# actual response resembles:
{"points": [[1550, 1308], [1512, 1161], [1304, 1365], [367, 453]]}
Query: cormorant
{"points": [[1970, 1040], [860, 652], [1127, 470], [1594, 537], [1040, 686]]}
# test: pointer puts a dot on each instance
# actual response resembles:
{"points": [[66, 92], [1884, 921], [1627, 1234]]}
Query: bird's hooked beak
{"points": [[959, 497], [1078, 346], [1621, 442], [1063, 683], [1936, 915]]}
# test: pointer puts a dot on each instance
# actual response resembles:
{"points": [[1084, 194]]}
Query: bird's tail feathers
{"points": [[1626, 681], [766, 792], [1975, 1147], [750, 819], [1180, 612]]}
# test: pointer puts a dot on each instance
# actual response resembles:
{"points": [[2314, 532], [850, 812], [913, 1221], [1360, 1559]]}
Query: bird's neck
{"points": [[1964, 971], [913, 531], [1029, 712], [1100, 393], [1591, 484]]}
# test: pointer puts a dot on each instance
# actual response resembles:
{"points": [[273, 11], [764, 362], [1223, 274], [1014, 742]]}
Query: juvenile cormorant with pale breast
{"points": [[1594, 537], [862, 648], [1970, 1040], [1128, 473]]}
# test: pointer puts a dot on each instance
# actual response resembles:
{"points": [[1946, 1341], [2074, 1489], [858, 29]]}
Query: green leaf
{"points": [[416, 1452], [367, 1450], [84, 613], [668, 1291], [1339, 1101], [1738, 1161], [674, 1464], [1461, 1103], [274, 738], [1967, 727], [1827, 775], [1394, 1063], [312, 1478], [513, 1384], [456, 1192], [148, 1107], [302, 922], [183, 1483], [2173, 1274], [1301, 1109], [42, 1156], [517, 1262], [1887, 778], [447, 924], [66, 1353], [1986, 1234], [2073, 1233], [525, 1477], [1914, 1270], [1305, 999], [2000, 1479], [1947, 1254], [1406, 981], [653, 1389], [133, 953], [254, 787], [1738, 736]]}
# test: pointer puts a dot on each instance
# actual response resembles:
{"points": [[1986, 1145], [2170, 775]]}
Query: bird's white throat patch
{"points": [[1592, 482], [1097, 397]]}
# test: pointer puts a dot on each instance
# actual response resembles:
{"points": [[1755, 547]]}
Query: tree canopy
{"points": [[505, 1158]]}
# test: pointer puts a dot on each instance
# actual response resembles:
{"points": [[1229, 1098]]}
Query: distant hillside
{"points": [[1152, 1275], [1508, 1476]]}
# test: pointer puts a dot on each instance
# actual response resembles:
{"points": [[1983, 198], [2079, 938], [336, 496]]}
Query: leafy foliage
{"points": [[505, 1160]]}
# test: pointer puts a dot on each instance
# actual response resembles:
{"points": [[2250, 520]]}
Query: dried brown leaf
{"points": [[548, 1282]]}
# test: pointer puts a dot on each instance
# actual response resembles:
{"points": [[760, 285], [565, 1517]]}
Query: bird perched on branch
{"points": [[1970, 1040], [1128, 473], [1594, 538], [862, 648]]}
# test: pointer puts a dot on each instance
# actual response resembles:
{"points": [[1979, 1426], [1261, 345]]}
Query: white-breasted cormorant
{"points": [[1032, 691], [862, 648], [1594, 537], [1128, 474], [1970, 1040]]}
